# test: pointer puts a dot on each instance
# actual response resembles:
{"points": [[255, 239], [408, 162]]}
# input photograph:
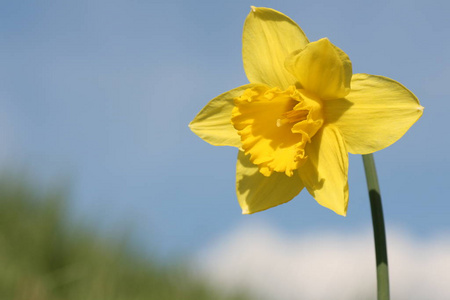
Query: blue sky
{"points": [[99, 94]]}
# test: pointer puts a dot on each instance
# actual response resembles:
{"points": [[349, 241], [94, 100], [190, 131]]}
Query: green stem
{"points": [[378, 227]]}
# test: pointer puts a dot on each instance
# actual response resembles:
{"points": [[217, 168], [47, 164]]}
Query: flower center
{"points": [[292, 116], [276, 125]]}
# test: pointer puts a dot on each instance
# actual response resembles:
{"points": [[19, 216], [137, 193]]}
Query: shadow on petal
{"points": [[257, 192], [334, 109], [315, 182]]}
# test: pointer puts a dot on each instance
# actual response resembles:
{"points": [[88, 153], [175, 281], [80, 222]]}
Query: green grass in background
{"points": [[45, 257]]}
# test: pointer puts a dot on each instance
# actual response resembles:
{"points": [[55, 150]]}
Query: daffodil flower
{"points": [[300, 115]]}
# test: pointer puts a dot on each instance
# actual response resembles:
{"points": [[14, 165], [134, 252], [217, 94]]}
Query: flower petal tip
{"points": [[253, 8], [420, 108], [245, 211]]}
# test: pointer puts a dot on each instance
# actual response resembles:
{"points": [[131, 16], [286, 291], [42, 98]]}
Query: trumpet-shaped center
{"points": [[276, 125], [292, 116]]}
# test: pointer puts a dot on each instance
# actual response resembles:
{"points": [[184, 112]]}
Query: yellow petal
{"points": [[378, 111], [268, 37], [322, 69], [325, 172], [213, 122], [257, 192]]}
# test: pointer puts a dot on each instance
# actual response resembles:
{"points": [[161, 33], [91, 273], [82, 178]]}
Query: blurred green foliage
{"points": [[45, 257]]}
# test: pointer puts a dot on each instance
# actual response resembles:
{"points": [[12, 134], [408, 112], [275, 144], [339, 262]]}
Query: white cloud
{"points": [[324, 265]]}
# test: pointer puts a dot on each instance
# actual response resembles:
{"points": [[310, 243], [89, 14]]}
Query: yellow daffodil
{"points": [[300, 115]]}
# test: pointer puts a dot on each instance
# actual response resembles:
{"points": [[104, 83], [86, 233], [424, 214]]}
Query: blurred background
{"points": [[106, 194]]}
